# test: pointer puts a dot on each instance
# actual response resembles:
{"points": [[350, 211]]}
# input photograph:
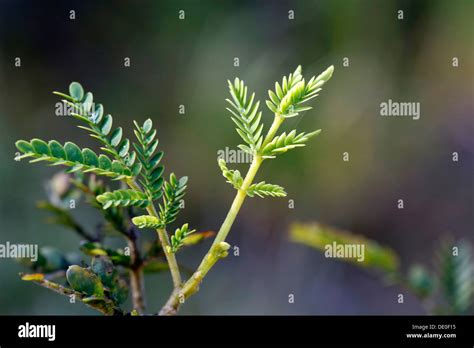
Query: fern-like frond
{"points": [[288, 98], [174, 191], [246, 116], [123, 198], [285, 142], [151, 174], [100, 126], [263, 189], [233, 176], [70, 155], [147, 221], [177, 240]]}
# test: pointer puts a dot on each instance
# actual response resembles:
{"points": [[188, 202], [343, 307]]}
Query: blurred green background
{"points": [[187, 62]]}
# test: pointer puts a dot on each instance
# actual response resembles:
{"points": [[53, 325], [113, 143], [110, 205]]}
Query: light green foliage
{"points": [[147, 221], [246, 116], [180, 235], [174, 191], [288, 98], [123, 198], [72, 156], [263, 189], [287, 101], [233, 176], [151, 175], [100, 126], [282, 143]]}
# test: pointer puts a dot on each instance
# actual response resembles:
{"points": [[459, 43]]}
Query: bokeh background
{"points": [[187, 62]]}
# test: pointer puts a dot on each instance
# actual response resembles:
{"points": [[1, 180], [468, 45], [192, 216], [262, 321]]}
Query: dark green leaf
{"points": [[40, 146], [90, 158], [116, 136], [57, 149], [23, 146], [106, 124], [105, 163], [73, 152]]}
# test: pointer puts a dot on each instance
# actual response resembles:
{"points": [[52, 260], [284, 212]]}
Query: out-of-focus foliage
{"points": [[320, 236], [455, 269], [450, 286]]}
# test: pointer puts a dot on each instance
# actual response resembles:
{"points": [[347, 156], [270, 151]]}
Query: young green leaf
{"points": [[180, 235], [285, 142], [123, 198], [246, 116], [263, 189], [287, 99], [174, 191], [233, 176], [147, 221], [151, 174]]}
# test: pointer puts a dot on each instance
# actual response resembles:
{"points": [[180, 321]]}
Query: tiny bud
{"points": [[224, 246], [326, 74]]}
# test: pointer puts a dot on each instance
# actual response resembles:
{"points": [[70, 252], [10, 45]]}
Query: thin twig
{"points": [[136, 273], [102, 305]]}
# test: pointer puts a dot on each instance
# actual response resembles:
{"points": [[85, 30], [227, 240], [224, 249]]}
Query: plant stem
{"points": [[136, 277], [238, 201], [164, 240], [103, 305], [170, 257], [219, 247]]}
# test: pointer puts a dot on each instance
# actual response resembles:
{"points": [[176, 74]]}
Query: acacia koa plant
{"points": [[146, 200]]}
